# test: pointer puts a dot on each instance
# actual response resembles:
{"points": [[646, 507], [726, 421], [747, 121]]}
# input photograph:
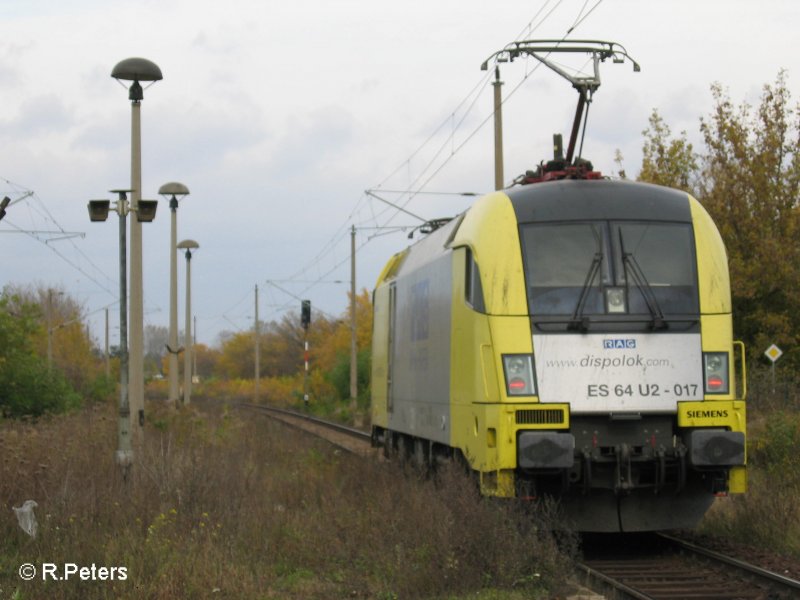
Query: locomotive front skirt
{"points": [[572, 339]]}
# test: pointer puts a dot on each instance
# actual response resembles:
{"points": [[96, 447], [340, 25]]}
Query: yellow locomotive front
{"points": [[572, 339]]}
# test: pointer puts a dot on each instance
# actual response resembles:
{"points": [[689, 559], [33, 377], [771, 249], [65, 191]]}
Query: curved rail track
{"points": [[350, 439], [644, 567]]}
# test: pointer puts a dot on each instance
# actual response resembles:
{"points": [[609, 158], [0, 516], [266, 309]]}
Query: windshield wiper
{"points": [[629, 260], [578, 322]]}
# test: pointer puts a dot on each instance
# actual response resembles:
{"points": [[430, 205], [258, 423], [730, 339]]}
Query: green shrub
{"points": [[28, 386], [768, 515], [339, 376]]}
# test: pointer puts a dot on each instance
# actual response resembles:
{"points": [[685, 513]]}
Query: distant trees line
{"points": [[49, 363]]}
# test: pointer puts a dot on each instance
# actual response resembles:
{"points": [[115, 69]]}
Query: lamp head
{"points": [[175, 190], [188, 245], [98, 209], [136, 70], [146, 210]]}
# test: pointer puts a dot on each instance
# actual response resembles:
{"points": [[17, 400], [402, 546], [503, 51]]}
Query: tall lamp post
{"points": [[188, 245], [145, 212], [136, 70], [174, 190]]}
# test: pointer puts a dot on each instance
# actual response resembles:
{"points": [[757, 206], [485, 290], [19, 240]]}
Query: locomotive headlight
{"points": [[519, 374], [615, 300], [713, 363], [715, 376], [515, 365]]}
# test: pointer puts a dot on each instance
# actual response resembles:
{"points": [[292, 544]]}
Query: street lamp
{"points": [[175, 190], [98, 211], [188, 245], [136, 70]]}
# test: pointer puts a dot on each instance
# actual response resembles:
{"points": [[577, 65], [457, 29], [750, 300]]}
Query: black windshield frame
{"points": [[559, 257]]}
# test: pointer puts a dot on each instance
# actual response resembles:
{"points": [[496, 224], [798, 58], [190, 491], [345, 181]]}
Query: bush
{"points": [[339, 376], [768, 515], [29, 388]]}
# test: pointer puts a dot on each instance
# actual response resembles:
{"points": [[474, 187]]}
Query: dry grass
{"points": [[228, 506], [768, 515]]}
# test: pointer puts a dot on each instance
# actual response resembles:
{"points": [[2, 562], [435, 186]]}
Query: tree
{"points": [[666, 161], [281, 347], [156, 338], [206, 359], [748, 178], [237, 356], [61, 335], [27, 385]]}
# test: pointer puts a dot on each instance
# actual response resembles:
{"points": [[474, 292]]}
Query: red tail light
{"points": [[516, 385], [715, 369], [519, 374]]}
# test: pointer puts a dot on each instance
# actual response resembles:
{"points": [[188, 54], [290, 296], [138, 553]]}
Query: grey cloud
{"points": [[39, 115]]}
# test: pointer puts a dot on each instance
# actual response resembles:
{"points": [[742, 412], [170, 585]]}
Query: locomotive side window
{"points": [[473, 290], [565, 265]]}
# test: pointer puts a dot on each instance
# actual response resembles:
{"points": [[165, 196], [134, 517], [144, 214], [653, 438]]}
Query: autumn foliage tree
{"points": [[29, 386], [748, 178], [281, 351], [667, 161]]}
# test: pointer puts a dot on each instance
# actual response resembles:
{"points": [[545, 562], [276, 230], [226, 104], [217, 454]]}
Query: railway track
{"points": [[660, 567], [644, 567], [347, 438]]}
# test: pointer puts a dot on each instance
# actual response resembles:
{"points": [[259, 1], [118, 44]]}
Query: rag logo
{"points": [[619, 344]]}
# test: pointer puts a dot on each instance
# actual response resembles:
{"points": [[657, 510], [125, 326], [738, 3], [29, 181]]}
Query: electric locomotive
{"points": [[569, 337]]}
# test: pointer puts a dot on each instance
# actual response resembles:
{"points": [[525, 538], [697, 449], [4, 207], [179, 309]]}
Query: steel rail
{"points": [[351, 431], [595, 579], [763, 575], [681, 569]]}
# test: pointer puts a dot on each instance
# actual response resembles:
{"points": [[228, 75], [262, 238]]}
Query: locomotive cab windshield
{"points": [[584, 274]]}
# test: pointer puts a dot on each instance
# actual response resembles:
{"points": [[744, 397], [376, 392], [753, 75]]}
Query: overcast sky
{"points": [[279, 115]]}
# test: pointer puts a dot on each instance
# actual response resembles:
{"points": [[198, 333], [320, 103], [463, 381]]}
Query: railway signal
{"points": [[305, 321], [305, 313]]}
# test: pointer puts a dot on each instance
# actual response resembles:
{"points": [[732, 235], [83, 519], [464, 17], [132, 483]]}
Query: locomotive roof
{"points": [[574, 200]]}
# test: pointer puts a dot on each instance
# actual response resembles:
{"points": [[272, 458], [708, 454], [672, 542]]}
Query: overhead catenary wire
{"points": [[503, 102], [472, 96], [484, 80], [434, 165], [38, 235]]}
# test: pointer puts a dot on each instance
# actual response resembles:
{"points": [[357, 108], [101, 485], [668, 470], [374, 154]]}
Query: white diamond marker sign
{"points": [[773, 353]]}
